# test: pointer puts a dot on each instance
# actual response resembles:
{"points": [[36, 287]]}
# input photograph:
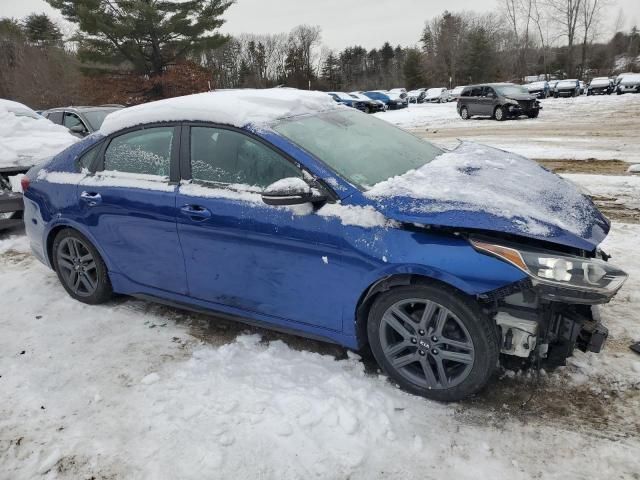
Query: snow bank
{"points": [[26, 138], [231, 107], [479, 178]]}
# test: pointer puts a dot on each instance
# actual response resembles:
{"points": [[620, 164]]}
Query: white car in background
{"points": [[417, 95], [436, 95], [629, 83], [452, 95]]}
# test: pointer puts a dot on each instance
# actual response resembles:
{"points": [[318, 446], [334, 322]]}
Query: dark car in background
{"points": [[600, 86], [346, 99], [497, 100], [81, 121], [539, 89], [391, 100], [567, 88], [375, 105]]}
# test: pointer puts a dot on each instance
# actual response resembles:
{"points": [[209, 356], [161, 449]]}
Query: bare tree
{"points": [[567, 17], [518, 14], [590, 14]]}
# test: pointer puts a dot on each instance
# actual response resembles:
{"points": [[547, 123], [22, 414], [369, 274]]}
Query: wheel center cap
{"points": [[424, 344]]}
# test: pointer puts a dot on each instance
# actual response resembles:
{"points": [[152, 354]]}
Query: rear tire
{"points": [[80, 268], [433, 341]]}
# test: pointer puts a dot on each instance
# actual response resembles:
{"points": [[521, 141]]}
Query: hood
{"points": [[522, 97], [483, 188]]}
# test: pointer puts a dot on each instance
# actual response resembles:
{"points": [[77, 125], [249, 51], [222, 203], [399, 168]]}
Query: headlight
{"points": [[510, 101], [568, 271]]}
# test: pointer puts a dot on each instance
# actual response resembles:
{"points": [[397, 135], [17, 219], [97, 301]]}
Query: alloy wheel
{"points": [[77, 266], [426, 343]]}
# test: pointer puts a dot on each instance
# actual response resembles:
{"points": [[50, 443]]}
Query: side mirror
{"points": [[290, 191]]}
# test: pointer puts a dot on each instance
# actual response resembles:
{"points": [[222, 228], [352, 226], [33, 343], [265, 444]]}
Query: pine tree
{"points": [[41, 30], [148, 34]]}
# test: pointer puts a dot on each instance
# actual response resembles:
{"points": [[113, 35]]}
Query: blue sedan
{"points": [[283, 209]]}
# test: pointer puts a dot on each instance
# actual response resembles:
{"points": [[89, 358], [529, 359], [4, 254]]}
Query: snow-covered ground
{"points": [[125, 390], [601, 127]]}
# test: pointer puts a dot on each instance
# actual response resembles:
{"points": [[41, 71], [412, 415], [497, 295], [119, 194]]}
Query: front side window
{"points": [[361, 148], [229, 157], [72, 120], [145, 151]]}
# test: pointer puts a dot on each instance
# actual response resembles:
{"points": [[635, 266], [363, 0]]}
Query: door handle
{"points": [[91, 198], [196, 212]]}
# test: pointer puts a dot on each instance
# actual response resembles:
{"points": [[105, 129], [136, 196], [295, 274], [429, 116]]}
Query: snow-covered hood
{"points": [[483, 188], [433, 93], [26, 141]]}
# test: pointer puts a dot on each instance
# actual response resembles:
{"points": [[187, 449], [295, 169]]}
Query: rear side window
{"points": [[230, 157], [55, 117], [145, 151], [475, 92]]}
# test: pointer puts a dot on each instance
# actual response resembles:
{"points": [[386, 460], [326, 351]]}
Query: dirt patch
{"points": [[14, 257], [615, 210], [593, 407], [593, 166]]}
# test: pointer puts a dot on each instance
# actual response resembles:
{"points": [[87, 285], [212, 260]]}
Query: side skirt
{"points": [[124, 286]]}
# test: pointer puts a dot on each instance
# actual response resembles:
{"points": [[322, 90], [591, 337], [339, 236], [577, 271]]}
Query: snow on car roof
{"points": [[232, 107], [27, 138]]}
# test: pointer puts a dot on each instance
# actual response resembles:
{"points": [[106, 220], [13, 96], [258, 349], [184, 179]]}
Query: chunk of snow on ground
{"points": [[232, 107], [477, 178], [624, 188], [366, 217], [634, 168], [26, 141], [149, 379]]}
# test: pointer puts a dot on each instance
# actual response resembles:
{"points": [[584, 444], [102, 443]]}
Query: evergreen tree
{"points": [[148, 34], [413, 69], [41, 30], [330, 72]]}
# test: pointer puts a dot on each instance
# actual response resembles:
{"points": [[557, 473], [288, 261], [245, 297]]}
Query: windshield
{"points": [[96, 117], [507, 90], [567, 83], [363, 149]]}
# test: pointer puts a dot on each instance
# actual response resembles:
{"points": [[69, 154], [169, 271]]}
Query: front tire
{"points": [[80, 268], [464, 113], [533, 114], [433, 341], [499, 114]]}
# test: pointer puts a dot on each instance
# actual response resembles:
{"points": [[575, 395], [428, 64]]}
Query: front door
{"points": [[240, 252], [129, 205]]}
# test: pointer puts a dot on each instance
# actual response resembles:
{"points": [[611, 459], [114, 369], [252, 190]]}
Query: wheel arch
{"points": [[386, 283], [55, 229]]}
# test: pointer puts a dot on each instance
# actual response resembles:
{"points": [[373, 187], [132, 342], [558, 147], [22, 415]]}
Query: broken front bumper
{"points": [[544, 329]]}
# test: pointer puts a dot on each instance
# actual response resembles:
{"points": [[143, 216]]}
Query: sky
{"points": [[344, 22]]}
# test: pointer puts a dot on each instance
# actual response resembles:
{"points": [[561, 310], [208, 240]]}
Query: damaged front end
{"points": [[554, 310]]}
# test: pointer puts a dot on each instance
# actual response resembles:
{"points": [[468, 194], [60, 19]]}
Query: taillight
{"points": [[24, 183]]}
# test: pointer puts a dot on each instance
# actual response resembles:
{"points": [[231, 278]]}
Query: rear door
{"points": [[240, 252], [129, 206], [473, 101]]}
